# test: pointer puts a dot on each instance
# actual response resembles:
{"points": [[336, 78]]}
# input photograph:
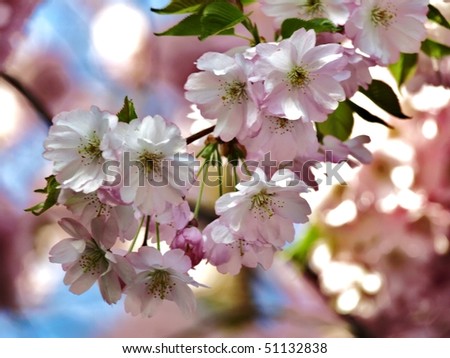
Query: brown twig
{"points": [[199, 135], [38, 106]]}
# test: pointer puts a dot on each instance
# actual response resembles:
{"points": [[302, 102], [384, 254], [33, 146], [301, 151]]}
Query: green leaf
{"points": [[181, 7], [435, 49], [435, 15], [339, 123], [300, 251], [52, 190], [289, 26], [220, 18], [404, 68], [127, 113], [189, 26], [366, 115], [384, 97]]}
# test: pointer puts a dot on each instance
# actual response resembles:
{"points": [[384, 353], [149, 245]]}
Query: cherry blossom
{"points": [[75, 145], [87, 258], [159, 277], [265, 210], [301, 79], [340, 151], [358, 65], [171, 221], [337, 11], [284, 139], [155, 169], [384, 28], [222, 91], [189, 240], [88, 206], [229, 251]]}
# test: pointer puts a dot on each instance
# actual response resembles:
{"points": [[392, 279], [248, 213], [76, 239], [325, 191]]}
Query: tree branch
{"points": [[38, 106], [199, 135]]}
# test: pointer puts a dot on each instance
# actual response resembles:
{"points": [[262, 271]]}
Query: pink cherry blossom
{"points": [[302, 167], [159, 277], [282, 138], [301, 79], [174, 219], [222, 91], [229, 251], [87, 258], [101, 203], [358, 66], [337, 151], [189, 240], [75, 145], [263, 210], [155, 168], [336, 10], [384, 28]]}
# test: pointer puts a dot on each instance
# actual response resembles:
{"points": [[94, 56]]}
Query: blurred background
{"points": [[373, 262]]}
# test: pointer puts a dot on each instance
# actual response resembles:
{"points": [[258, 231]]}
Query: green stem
{"points": [[219, 171], [158, 241], [202, 187], [201, 168], [244, 38], [133, 243], [253, 29]]}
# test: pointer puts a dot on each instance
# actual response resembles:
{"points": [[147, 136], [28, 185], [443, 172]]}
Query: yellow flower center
{"points": [[159, 285], [381, 16], [298, 77], [91, 149], [262, 204], [234, 92], [314, 8], [280, 125], [151, 161], [93, 259]]}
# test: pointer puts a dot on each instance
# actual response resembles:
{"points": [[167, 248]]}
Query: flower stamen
{"points": [[91, 149], [298, 77], [314, 8], [234, 92], [91, 260], [280, 125], [151, 161], [262, 204], [383, 16], [160, 284]]}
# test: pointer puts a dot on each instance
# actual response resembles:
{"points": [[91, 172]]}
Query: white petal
{"points": [[105, 232], [293, 207], [177, 260], [83, 283], [184, 297], [74, 228], [67, 251], [110, 288]]}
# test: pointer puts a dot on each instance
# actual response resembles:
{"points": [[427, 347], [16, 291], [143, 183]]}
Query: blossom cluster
{"points": [[380, 28], [119, 177]]}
